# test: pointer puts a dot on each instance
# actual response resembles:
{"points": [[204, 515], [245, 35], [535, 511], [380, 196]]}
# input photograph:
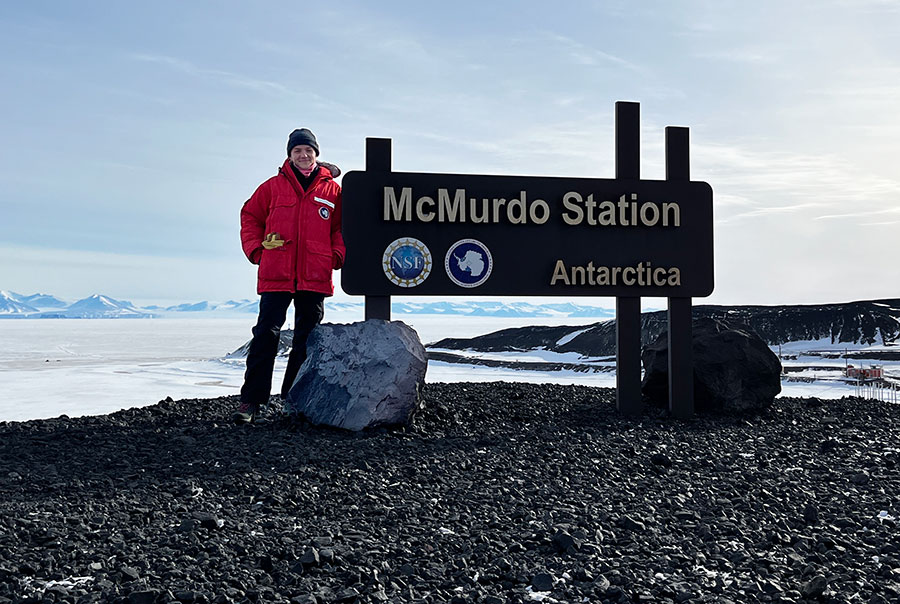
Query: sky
{"points": [[132, 133]]}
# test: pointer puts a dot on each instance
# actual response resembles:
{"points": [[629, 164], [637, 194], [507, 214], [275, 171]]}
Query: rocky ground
{"points": [[499, 493]]}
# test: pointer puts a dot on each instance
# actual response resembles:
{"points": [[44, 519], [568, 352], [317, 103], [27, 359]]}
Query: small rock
{"points": [[630, 524], [188, 525], [814, 588], [208, 521], [310, 558], [828, 445], [142, 597], [129, 574], [661, 459], [565, 543], [542, 582], [860, 478], [326, 556], [810, 514], [347, 596]]}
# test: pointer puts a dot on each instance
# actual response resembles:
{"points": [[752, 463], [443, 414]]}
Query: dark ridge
{"points": [[497, 489], [870, 322]]}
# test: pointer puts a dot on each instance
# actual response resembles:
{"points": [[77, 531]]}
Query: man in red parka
{"points": [[291, 228]]}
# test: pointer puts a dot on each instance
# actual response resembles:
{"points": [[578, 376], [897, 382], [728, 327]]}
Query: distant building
{"points": [[865, 373]]}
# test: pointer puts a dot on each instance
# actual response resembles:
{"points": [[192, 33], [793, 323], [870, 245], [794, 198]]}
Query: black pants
{"points": [[309, 308]]}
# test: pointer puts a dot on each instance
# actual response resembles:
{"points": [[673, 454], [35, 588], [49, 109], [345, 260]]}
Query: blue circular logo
{"points": [[468, 263], [323, 212], [406, 262]]}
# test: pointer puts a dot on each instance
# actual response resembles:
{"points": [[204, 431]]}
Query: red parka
{"points": [[309, 223]]}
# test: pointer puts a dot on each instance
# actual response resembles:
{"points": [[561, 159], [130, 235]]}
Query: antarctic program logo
{"points": [[406, 262], [468, 263]]}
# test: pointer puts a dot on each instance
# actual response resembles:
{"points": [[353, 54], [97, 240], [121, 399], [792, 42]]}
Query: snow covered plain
{"points": [[50, 367]]}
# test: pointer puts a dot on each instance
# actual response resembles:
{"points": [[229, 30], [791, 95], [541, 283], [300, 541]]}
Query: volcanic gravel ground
{"points": [[499, 493]]}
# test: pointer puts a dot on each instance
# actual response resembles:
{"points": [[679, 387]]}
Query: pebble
{"points": [[537, 487]]}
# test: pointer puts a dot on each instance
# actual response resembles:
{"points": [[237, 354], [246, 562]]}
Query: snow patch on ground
{"points": [[523, 356], [568, 338]]}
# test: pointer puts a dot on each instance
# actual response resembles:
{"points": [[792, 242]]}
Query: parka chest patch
{"points": [[324, 213]]}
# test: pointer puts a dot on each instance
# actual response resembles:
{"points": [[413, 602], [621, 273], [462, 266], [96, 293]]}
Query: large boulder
{"points": [[734, 369], [360, 375]]}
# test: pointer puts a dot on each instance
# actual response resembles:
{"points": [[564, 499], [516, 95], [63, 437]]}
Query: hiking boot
{"points": [[246, 413]]}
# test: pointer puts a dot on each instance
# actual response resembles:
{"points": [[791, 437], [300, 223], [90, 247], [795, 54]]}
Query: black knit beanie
{"points": [[302, 136]]}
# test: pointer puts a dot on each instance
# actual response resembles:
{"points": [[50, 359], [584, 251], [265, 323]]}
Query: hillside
{"points": [[863, 323], [499, 493]]}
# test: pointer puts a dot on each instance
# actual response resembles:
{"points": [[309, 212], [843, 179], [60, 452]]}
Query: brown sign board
{"points": [[410, 233]]}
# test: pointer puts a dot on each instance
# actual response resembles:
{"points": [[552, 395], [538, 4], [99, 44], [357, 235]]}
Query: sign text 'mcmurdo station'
{"points": [[446, 234]]}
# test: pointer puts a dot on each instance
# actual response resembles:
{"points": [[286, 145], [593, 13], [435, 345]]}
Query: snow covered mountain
{"points": [[45, 306], [466, 308], [500, 309], [43, 301], [11, 304], [854, 323], [99, 306], [231, 306]]}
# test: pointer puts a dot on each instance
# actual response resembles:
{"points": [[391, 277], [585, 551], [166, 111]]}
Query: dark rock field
{"points": [[499, 493]]}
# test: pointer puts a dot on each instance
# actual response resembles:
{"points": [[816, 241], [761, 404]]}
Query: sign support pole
{"points": [[628, 309], [681, 362], [378, 159]]}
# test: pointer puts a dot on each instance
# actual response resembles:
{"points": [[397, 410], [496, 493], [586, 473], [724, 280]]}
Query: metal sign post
{"points": [[378, 160], [681, 357]]}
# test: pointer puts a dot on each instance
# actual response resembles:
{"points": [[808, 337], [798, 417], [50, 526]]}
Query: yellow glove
{"points": [[272, 241]]}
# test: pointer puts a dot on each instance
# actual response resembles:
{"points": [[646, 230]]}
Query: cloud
{"points": [[859, 214], [757, 56], [226, 77], [582, 54], [818, 186]]}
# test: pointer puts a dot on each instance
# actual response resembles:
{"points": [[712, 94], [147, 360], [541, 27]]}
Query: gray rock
{"points": [[143, 597], [815, 587], [860, 478], [565, 543], [734, 369], [129, 573], [542, 582], [810, 514], [630, 524], [360, 375], [310, 558]]}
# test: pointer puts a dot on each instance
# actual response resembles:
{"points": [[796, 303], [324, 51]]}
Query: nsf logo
{"points": [[406, 262], [468, 263]]}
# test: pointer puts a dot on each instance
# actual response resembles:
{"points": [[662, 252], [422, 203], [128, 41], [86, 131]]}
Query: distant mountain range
{"points": [[44, 306], [867, 323]]}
